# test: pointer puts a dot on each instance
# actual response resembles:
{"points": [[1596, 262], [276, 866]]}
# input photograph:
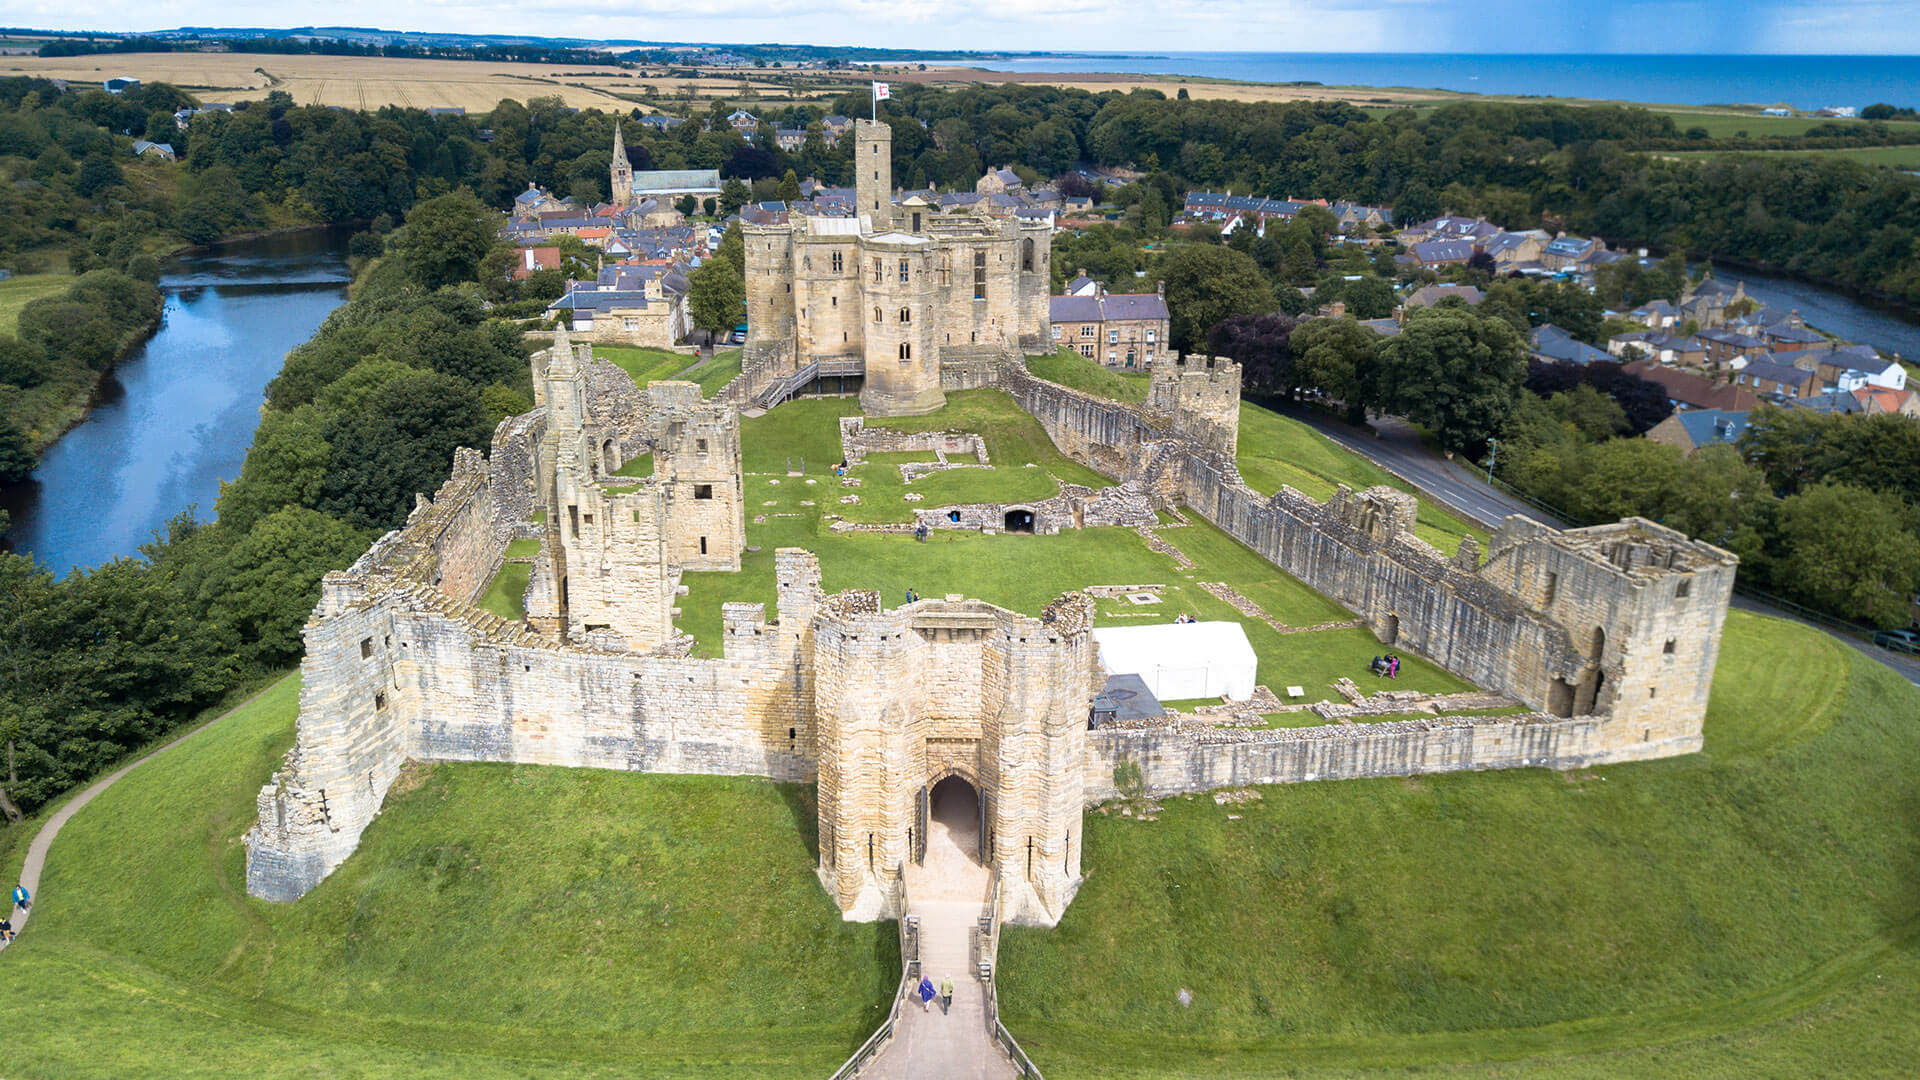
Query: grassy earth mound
{"points": [[1752, 904], [497, 920]]}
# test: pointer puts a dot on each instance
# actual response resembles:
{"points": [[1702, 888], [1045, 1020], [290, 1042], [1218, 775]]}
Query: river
{"points": [[1858, 320], [178, 415]]}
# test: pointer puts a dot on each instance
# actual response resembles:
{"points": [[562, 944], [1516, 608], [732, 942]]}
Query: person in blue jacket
{"points": [[926, 993]]}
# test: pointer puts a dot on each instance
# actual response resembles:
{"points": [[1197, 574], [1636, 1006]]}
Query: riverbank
{"points": [[175, 419], [46, 413]]}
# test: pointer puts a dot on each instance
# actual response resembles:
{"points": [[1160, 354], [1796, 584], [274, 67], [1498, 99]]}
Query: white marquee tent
{"points": [[1179, 661]]}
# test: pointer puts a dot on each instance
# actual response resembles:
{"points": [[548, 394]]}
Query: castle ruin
{"points": [[1608, 634]]}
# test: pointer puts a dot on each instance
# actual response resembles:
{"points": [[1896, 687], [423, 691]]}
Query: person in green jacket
{"points": [[946, 994]]}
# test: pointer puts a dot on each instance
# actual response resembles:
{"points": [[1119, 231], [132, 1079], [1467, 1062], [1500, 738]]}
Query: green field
{"points": [[1745, 911], [1727, 124], [1901, 157], [497, 921], [19, 290]]}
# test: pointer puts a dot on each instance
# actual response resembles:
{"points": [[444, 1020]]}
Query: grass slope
{"points": [[1761, 892], [20, 290], [1069, 368], [1278, 450], [645, 365], [497, 921]]}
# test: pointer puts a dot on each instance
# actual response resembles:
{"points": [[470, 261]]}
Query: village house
{"points": [[1450, 228], [1707, 303], [998, 181], [1433, 254], [1655, 315], [630, 304], [1082, 285], [1118, 330], [833, 127], [1569, 253], [1790, 338], [1769, 377], [144, 148], [1833, 402], [1686, 390], [1730, 348], [1880, 401], [744, 122], [789, 139], [1354, 217], [1514, 251], [1692, 429], [1548, 343], [535, 258], [1429, 295], [1218, 207]]}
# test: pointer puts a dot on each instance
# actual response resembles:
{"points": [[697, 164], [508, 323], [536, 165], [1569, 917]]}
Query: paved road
{"points": [[1396, 447], [43, 840]]}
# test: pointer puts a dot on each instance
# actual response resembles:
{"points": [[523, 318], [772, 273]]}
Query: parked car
{"points": [[1906, 641]]}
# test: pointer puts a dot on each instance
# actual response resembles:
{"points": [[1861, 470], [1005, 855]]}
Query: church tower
{"points": [[622, 170]]}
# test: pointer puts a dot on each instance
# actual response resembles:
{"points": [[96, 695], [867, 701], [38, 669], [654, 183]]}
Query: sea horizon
{"points": [[1800, 80]]}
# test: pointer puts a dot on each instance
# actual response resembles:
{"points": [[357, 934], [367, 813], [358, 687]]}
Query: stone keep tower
{"points": [[873, 173], [902, 359], [622, 170]]}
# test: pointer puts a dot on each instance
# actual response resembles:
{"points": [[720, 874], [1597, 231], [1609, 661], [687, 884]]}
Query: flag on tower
{"points": [[881, 92]]}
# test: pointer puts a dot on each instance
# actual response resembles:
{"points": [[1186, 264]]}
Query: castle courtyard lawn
{"points": [[506, 594], [497, 921], [1746, 911]]}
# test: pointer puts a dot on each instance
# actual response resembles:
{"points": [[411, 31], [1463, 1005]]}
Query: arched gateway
{"points": [[910, 702]]}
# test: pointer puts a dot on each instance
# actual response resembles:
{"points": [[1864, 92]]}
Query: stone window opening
{"points": [[387, 641], [573, 521], [366, 648], [869, 851], [703, 545], [379, 702], [839, 262], [703, 491], [906, 351], [833, 301], [1668, 648], [877, 317], [905, 271], [1553, 587], [1026, 254], [1681, 590], [1029, 858], [906, 315], [878, 272], [699, 446], [980, 274]]}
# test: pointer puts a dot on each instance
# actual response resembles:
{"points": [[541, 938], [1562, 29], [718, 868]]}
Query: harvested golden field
{"points": [[352, 81]]}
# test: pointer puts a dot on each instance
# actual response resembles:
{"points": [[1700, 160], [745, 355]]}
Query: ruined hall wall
{"points": [[1175, 761]]}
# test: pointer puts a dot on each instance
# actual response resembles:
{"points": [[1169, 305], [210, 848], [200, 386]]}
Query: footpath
{"points": [[43, 840]]}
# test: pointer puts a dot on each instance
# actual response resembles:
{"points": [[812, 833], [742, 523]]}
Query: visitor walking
{"points": [[946, 994], [6, 932], [1393, 667], [20, 898], [926, 994]]}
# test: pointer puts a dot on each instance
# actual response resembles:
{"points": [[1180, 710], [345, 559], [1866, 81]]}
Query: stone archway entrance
{"points": [[1019, 521], [952, 841]]}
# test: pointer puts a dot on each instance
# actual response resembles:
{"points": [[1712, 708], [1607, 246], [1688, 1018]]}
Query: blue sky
{"points": [[1480, 26]]}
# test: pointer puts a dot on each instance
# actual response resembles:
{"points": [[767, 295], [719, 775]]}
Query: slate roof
{"points": [[1459, 227], [1569, 247], [1433, 251], [1553, 343], [1383, 327], [677, 180], [1429, 295], [1707, 426], [1217, 203], [1785, 374], [1113, 306], [1792, 335], [1836, 402]]}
